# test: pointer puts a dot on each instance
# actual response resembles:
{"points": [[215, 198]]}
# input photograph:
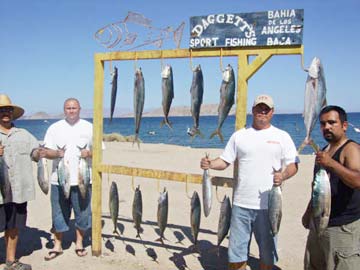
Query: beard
{"points": [[328, 136]]}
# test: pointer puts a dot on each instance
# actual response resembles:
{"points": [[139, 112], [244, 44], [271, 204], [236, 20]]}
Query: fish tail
{"points": [[166, 122], [218, 133], [160, 240], [136, 139]]}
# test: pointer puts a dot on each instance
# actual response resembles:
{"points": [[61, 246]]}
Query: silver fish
{"points": [[206, 192], [315, 99], [162, 213], [84, 174], [137, 210], [275, 208], [196, 91], [195, 216], [139, 98], [114, 205], [227, 99], [43, 174], [224, 220], [63, 174], [321, 200], [167, 87], [114, 78]]}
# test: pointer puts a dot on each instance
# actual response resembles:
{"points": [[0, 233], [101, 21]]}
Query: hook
{"points": [[132, 183], [186, 187], [108, 174], [302, 63], [217, 195], [221, 64], [191, 64], [135, 62], [161, 60]]}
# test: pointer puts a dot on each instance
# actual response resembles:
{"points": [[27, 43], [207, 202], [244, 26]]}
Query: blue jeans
{"points": [[244, 222], [61, 209]]}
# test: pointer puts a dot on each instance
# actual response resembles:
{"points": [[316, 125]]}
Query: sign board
{"points": [[269, 28]]}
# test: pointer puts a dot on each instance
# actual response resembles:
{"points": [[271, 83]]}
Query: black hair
{"points": [[338, 109]]}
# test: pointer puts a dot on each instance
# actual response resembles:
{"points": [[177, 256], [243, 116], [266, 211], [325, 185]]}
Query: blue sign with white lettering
{"points": [[269, 28]]}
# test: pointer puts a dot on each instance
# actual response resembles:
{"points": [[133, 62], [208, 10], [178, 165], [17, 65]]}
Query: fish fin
{"points": [[136, 139], [165, 122], [217, 132], [160, 240], [325, 103]]}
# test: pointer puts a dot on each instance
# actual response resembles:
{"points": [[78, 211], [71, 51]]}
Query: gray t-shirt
{"points": [[18, 167]]}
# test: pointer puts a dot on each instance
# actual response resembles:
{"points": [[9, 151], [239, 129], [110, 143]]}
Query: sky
{"points": [[47, 53]]}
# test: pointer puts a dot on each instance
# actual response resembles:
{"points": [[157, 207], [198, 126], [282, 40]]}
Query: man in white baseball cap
{"points": [[266, 157]]}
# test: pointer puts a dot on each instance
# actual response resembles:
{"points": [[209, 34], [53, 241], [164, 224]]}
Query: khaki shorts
{"points": [[337, 248]]}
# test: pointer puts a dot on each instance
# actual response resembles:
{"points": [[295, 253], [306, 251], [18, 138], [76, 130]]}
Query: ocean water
{"points": [[150, 131]]}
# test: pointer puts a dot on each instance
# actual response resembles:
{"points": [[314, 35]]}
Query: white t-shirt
{"points": [[61, 134], [258, 152]]}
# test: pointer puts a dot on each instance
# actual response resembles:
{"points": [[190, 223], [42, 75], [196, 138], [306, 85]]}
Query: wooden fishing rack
{"points": [[262, 55]]}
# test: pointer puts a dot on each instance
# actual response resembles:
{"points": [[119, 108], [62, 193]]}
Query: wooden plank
{"points": [[161, 174], [97, 156]]}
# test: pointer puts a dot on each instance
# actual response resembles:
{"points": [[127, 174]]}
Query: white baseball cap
{"points": [[266, 99]]}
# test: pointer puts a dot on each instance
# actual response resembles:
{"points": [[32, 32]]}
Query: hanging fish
{"points": [[315, 99], [227, 99], [114, 205], [114, 78], [137, 210], [196, 91], [162, 213], [43, 173], [167, 87], [139, 99], [84, 174], [195, 216]]}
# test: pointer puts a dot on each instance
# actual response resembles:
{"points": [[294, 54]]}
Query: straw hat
{"points": [[6, 102]]}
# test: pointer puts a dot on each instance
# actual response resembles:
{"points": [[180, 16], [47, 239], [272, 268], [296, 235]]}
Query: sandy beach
{"points": [[177, 252]]}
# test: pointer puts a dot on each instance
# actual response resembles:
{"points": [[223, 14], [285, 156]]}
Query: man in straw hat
{"points": [[266, 157], [17, 149]]}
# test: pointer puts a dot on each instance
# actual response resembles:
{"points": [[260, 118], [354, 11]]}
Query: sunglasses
{"points": [[6, 109]]}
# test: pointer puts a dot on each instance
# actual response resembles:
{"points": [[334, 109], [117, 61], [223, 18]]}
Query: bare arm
{"points": [[349, 173], [215, 164]]}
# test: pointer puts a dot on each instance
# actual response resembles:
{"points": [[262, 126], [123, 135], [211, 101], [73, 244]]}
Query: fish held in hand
{"points": [[321, 200], [224, 220], [63, 172], [43, 174], [206, 192], [315, 99], [83, 174]]}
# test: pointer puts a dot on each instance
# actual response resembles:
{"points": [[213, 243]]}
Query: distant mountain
{"points": [[206, 109]]}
